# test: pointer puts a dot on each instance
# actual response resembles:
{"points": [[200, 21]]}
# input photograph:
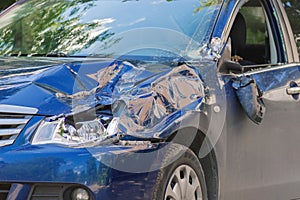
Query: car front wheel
{"points": [[182, 179]]}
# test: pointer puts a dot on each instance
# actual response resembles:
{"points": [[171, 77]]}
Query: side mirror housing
{"points": [[250, 98], [230, 66]]}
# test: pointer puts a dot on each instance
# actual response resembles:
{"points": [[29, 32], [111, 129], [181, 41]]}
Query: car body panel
{"points": [[258, 153], [54, 164], [257, 156], [155, 103], [152, 96]]}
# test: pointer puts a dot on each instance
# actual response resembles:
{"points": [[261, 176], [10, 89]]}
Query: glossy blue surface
{"points": [[44, 82], [50, 163], [154, 97], [57, 90]]}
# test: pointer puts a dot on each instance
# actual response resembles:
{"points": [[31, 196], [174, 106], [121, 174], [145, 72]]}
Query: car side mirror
{"points": [[226, 65], [230, 66], [250, 98]]}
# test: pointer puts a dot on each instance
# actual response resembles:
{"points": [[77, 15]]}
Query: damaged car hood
{"points": [[144, 97], [36, 83]]}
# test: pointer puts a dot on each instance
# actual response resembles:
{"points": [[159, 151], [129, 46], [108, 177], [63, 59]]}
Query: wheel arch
{"points": [[208, 162]]}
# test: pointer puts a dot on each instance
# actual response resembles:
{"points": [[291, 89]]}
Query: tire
{"points": [[183, 178]]}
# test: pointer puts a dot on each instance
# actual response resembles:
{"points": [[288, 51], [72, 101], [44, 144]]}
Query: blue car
{"points": [[161, 100]]}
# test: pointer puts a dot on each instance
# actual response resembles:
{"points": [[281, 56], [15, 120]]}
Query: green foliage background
{"points": [[42, 30]]}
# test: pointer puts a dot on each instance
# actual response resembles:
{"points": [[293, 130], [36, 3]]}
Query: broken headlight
{"points": [[73, 134]]}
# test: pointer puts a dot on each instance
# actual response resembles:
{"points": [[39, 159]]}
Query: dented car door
{"points": [[263, 131]]}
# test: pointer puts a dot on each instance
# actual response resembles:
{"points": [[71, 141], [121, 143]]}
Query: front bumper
{"points": [[47, 171]]}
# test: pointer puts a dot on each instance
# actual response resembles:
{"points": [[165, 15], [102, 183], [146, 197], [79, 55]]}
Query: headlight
{"points": [[58, 131]]}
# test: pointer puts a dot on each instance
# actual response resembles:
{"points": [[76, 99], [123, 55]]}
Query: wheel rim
{"points": [[184, 184]]}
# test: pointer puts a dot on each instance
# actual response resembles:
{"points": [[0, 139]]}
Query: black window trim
{"points": [[290, 44], [275, 28], [286, 46]]}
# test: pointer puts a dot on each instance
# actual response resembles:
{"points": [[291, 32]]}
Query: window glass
{"points": [[292, 8], [255, 23], [107, 28], [250, 41]]}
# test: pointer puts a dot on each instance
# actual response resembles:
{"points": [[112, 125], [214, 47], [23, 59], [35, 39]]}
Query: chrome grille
{"points": [[11, 126]]}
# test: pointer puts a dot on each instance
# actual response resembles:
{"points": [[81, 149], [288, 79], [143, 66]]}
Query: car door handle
{"points": [[293, 90]]}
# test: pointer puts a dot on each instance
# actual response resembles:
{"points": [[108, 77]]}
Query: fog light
{"points": [[80, 194]]}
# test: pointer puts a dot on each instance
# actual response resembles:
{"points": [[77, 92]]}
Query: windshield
{"points": [[109, 29]]}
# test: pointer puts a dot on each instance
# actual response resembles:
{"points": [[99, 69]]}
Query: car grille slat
{"points": [[15, 121], [6, 142], [12, 131], [10, 127]]}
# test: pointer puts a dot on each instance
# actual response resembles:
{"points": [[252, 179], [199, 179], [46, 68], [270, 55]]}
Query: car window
{"points": [[292, 8], [256, 25], [100, 27], [252, 41]]}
